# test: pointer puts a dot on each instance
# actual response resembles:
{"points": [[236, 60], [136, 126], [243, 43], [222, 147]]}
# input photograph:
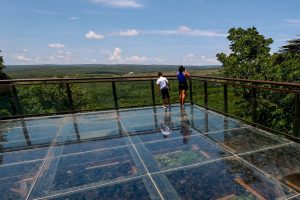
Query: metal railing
{"points": [[11, 87]]}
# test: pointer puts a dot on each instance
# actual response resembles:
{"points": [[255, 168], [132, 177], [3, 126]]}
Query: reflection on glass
{"points": [[166, 125], [225, 179], [185, 124], [74, 118]]}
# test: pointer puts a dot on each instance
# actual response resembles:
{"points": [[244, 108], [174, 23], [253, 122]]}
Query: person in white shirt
{"points": [[163, 88]]}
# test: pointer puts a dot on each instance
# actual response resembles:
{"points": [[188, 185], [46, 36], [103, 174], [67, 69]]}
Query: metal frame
{"points": [[254, 85]]}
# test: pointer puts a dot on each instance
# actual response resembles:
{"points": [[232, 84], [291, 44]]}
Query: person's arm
{"points": [[158, 89], [187, 74]]}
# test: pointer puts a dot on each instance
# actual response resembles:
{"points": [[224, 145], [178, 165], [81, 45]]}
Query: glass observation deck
{"points": [[145, 153]]}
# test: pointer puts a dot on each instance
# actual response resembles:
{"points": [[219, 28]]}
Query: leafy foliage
{"points": [[251, 59], [292, 47], [38, 99], [250, 56], [2, 74]]}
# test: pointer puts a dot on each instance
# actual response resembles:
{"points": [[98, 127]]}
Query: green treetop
{"points": [[2, 74], [250, 54]]}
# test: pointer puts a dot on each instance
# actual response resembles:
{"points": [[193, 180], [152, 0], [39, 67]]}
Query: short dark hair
{"points": [[159, 74]]}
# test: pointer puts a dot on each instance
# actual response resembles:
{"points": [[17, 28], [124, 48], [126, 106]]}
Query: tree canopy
{"points": [[293, 46], [250, 54], [2, 74], [250, 58]]}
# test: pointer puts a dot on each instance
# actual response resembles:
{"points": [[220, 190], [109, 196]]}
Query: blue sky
{"points": [[188, 32]]}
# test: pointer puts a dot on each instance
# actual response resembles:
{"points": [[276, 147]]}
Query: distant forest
{"points": [[33, 71]]}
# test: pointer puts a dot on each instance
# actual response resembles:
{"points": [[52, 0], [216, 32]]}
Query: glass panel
{"points": [[16, 180], [282, 163], [237, 105], [276, 110], [134, 93], [198, 92], [6, 103], [91, 96], [188, 148], [23, 155], [245, 139], [207, 121], [136, 189], [43, 98], [225, 179], [215, 96], [74, 171]]}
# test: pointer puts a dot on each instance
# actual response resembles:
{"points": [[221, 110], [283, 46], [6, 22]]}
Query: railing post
{"points": [[253, 105], [191, 91], [17, 100], [225, 99], [70, 100], [296, 124], [205, 93], [115, 95], [153, 93]]}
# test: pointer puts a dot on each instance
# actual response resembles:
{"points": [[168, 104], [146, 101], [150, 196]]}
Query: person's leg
{"points": [[164, 96], [183, 96], [168, 98]]}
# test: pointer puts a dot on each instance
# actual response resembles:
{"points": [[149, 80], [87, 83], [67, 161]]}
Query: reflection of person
{"points": [[163, 87], [182, 76], [185, 124], [166, 125]]}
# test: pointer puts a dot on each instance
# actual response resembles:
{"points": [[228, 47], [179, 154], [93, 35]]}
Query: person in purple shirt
{"points": [[182, 76]]}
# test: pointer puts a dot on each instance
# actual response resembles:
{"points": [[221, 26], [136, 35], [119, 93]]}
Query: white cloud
{"points": [[116, 55], [137, 59], [73, 18], [53, 45], [192, 59], [118, 3], [25, 50], [185, 30], [129, 32], [22, 58], [93, 35], [293, 22]]}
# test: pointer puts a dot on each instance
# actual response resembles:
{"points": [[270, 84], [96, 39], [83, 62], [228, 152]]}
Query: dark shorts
{"points": [[183, 86], [165, 93]]}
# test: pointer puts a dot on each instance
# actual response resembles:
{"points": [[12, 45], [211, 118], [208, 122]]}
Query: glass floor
{"points": [[145, 153]]}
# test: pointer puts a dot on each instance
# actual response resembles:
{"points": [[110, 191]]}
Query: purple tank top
{"points": [[181, 77]]}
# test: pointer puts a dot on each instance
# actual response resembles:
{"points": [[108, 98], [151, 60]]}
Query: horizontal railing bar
{"points": [[138, 78], [249, 81]]}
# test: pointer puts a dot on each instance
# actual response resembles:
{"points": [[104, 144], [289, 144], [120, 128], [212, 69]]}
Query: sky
{"points": [[174, 32]]}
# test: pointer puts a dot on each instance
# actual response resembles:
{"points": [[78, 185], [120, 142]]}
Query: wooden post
{"points": [[205, 94], [153, 93], [191, 91], [115, 95], [17, 100], [253, 105], [70, 100], [225, 99]]}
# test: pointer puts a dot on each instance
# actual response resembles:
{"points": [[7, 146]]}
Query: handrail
{"points": [[124, 78], [250, 81], [11, 86]]}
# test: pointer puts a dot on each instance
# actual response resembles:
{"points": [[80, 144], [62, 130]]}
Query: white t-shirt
{"points": [[163, 82]]}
